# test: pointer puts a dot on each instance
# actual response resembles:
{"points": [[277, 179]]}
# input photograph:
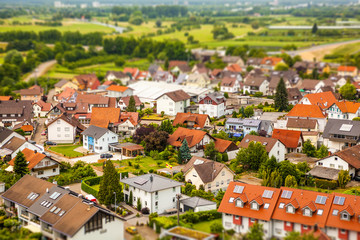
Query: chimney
{"points": [[47, 190], [151, 178], [35, 151]]}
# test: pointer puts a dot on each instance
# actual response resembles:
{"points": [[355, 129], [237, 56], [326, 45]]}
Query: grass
{"points": [[205, 226], [338, 190], [67, 150], [153, 117], [347, 49]]}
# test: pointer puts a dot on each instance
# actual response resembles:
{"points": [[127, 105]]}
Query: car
{"points": [[32, 141], [43, 133], [132, 230], [106, 155], [91, 198], [49, 143], [357, 178]]}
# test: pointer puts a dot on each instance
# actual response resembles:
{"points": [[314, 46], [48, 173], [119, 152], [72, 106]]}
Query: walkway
{"points": [[40, 70]]}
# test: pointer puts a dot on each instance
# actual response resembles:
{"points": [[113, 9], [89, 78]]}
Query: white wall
{"points": [[101, 145], [169, 107], [61, 132], [212, 110], [333, 146], [46, 162], [22, 147], [278, 151], [127, 92], [336, 163]]}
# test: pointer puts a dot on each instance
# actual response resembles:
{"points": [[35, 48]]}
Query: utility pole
{"points": [[178, 196]]}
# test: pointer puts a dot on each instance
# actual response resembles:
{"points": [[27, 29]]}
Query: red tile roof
{"points": [[27, 128], [273, 60], [348, 107], [290, 138], [199, 119], [234, 68], [117, 88], [306, 111], [44, 106], [31, 157], [192, 136], [88, 80], [66, 94], [323, 99], [101, 117], [5, 98], [347, 69], [224, 145], [132, 71]]}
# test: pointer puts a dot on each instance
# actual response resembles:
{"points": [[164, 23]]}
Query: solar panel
{"points": [[286, 194], [61, 213], [321, 200], [52, 195], [48, 205], [238, 189], [140, 181], [55, 195], [268, 194], [346, 127], [53, 209], [57, 211], [43, 203], [339, 200]]}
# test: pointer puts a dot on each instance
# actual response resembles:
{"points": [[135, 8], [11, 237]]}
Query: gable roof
{"points": [[34, 90], [309, 84], [334, 126], [192, 136], [233, 68], [306, 111], [289, 138], [14, 143], [176, 63], [5, 98], [88, 80], [117, 88], [176, 96], [95, 132], [22, 107], [199, 119], [346, 69], [322, 99], [347, 106], [265, 141], [228, 82], [4, 133], [255, 81], [61, 83], [324, 172], [45, 106], [152, 182], [117, 74], [224, 145], [101, 117], [126, 100], [70, 120], [294, 94], [271, 61], [133, 117], [350, 155], [301, 123]]}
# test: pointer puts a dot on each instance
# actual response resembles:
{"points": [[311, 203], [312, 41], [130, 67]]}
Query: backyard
{"points": [[67, 150]]}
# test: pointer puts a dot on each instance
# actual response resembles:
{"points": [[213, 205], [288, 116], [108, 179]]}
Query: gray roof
{"points": [[151, 182], [4, 133], [265, 125], [194, 202], [95, 132], [234, 120], [334, 126], [181, 78], [324, 173], [252, 122]]}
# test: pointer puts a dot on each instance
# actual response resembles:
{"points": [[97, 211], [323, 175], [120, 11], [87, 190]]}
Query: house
{"points": [[119, 91], [293, 140], [326, 173], [33, 93], [41, 108], [341, 134], [143, 75], [226, 147], [200, 80], [129, 122], [171, 103], [230, 85], [233, 68], [6, 134], [39, 164], [153, 68], [343, 110], [274, 82], [86, 82], [210, 174], [274, 147], [14, 112], [105, 117], [322, 99], [192, 120], [163, 76], [133, 72], [216, 73], [97, 139], [347, 71], [178, 67], [294, 96], [233, 60], [63, 84], [254, 84], [311, 86], [269, 63], [307, 67], [254, 62], [124, 102], [182, 78], [196, 204], [117, 75], [308, 112], [155, 192], [290, 77], [213, 104], [203, 55], [58, 213], [15, 145], [242, 127], [308, 127], [200, 68], [339, 81], [27, 127], [93, 100], [127, 149], [357, 86], [64, 129], [106, 84], [67, 95]]}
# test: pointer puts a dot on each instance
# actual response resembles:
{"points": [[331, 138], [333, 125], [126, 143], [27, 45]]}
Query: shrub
{"points": [[326, 184], [145, 210], [216, 227], [87, 183]]}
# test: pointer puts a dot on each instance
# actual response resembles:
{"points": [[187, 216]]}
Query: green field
{"points": [[205, 226], [67, 150], [347, 49]]}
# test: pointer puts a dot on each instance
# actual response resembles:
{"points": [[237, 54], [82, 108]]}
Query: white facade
{"points": [[100, 145], [61, 131], [112, 77], [118, 94], [264, 88], [212, 110], [333, 145], [278, 151], [43, 170], [38, 111], [233, 89], [336, 163], [334, 112], [170, 107], [127, 128]]}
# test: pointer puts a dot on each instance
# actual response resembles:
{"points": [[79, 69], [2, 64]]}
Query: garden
{"points": [[67, 150]]}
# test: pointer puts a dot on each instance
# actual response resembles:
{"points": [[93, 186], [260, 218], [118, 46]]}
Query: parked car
{"points": [[49, 143], [106, 155], [32, 141], [91, 198], [132, 230], [43, 133]]}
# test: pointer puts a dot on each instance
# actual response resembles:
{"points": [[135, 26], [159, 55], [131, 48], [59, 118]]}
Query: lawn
{"points": [[153, 117], [205, 226], [67, 150], [347, 49]]}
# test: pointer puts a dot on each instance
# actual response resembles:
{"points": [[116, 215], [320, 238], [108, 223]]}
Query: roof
{"points": [[294, 94], [348, 107], [66, 94], [5, 98], [32, 157], [44, 106], [176, 96], [252, 192], [192, 136], [267, 142], [133, 117], [342, 127], [289, 138], [101, 117], [117, 88], [233, 68], [217, 97], [347, 69], [224, 145], [70, 120], [151, 182], [306, 111], [271, 61], [61, 83], [88, 80], [126, 100], [27, 128], [215, 72], [95, 132], [322, 99], [4, 133], [194, 202], [117, 74], [350, 155], [309, 84], [228, 82], [14, 143], [34, 90], [176, 63], [198, 119], [324, 172], [301, 123], [22, 107], [132, 71], [255, 81]]}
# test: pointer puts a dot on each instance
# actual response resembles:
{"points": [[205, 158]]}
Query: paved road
{"points": [[38, 138], [41, 70]]}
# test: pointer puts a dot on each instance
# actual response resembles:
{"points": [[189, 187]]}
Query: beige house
{"points": [[200, 80], [212, 175], [63, 84], [33, 93]]}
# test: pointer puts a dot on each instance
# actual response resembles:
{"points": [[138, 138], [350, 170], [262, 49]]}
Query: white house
{"points": [[114, 75], [97, 139], [119, 91], [230, 85], [210, 174], [155, 192], [64, 129], [163, 76], [58, 213], [171, 103], [41, 108], [213, 104], [344, 110], [255, 84], [39, 165]]}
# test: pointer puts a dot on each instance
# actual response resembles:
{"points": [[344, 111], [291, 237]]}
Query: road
{"points": [[41, 70]]}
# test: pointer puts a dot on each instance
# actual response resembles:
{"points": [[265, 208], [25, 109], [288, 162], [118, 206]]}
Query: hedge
{"points": [[87, 183], [326, 184]]}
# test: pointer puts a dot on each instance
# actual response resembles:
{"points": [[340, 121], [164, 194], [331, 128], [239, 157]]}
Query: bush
{"points": [[87, 183], [145, 210], [216, 227], [258, 94], [326, 184]]}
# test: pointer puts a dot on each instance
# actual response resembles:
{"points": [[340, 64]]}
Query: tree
{"points": [[109, 185], [156, 140], [158, 23], [256, 232], [343, 178], [269, 165], [166, 126], [20, 165], [234, 114], [132, 105], [166, 64], [254, 133], [271, 179], [348, 91], [210, 151], [226, 95], [309, 149], [142, 132], [322, 152], [281, 67], [138, 204], [216, 227], [219, 197], [281, 96], [184, 152], [253, 156], [314, 29], [119, 62], [290, 182], [287, 168], [298, 236], [248, 112], [131, 200], [189, 188]]}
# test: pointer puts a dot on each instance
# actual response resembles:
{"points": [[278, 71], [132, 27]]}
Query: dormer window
{"points": [[254, 206], [290, 209], [239, 203], [307, 212], [345, 216]]}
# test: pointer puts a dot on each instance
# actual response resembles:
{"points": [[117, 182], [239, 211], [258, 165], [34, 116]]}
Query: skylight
{"points": [[32, 196], [231, 200], [339, 200], [61, 213], [55, 195], [268, 194], [57, 211], [238, 189], [198, 161], [335, 212], [321, 200], [53, 209], [266, 206], [320, 212], [281, 205], [140, 181], [286, 194], [346, 127]]}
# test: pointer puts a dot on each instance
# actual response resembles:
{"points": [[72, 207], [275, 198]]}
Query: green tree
{"points": [[287, 168], [119, 62], [253, 156], [298, 236], [348, 91], [281, 67], [281, 96], [166, 64], [20, 165], [138, 204], [166, 126], [216, 227], [269, 165], [109, 185], [322, 152], [234, 114], [184, 152], [314, 28], [131, 198], [219, 197], [132, 105], [189, 188], [210, 151], [158, 23], [256, 232], [226, 95], [271, 179], [290, 182], [248, 111], [309, 149], [343, 178], [254, 133]]}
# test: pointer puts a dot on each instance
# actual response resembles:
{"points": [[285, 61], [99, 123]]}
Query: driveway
{"points": [[144, 231]]}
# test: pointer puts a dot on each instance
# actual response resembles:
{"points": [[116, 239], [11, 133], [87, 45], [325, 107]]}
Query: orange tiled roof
{"points": [[31, 157], [27, 128], [224, 145], [5, 98], [347, 69], [132, 71], [192, 136], [306, 111], [323, 99], [216, 71], [101, 117], [274, 60], [199, 119], [133, 117], [290, 138], [348, 107], [66, 94], [234, 68], [117, 88]]}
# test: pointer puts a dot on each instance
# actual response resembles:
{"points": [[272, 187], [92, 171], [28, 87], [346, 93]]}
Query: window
{"points": [[94, 224], [173, 189], [239, 203], [320, 163], [47, 163], [345, 216], [228, 181], [332, 165], [217, 184], [307, 212], [156, 193], [320, 212], [40, 172], [58, 122], [59, 135], [67, 135], [290, 209], [67, 129], [237, 217], [222, 182], [173, 199], [54, 170], [156, 204], [223, 173], [305, 227], [343, 231], [254, 206], [145, 203], [266, 206], [58, 129], [340, 167], [209, 185]]}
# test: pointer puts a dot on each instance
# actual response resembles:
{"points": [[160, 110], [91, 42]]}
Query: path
{"points": [[38, 138], [41, 70]]}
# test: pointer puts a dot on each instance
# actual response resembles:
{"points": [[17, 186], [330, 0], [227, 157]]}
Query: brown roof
{"points": [[294, 94], [34, 90], [255, 81], [88, 80], [192, 136], [44, 106], [69, 119], [228, 81], [33, 158], [178, 95], [301, 123], [22, 107], [351, 156], [224, 145], [309, 84], [66, 94], [92, 99], [101, 117], [126, 100], [183, 118], [267, 142], [22, 188], [324, 172], [117, 74], [14, 143]]}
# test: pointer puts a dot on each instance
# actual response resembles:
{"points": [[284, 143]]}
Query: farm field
{"points": [[347, 49]]}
